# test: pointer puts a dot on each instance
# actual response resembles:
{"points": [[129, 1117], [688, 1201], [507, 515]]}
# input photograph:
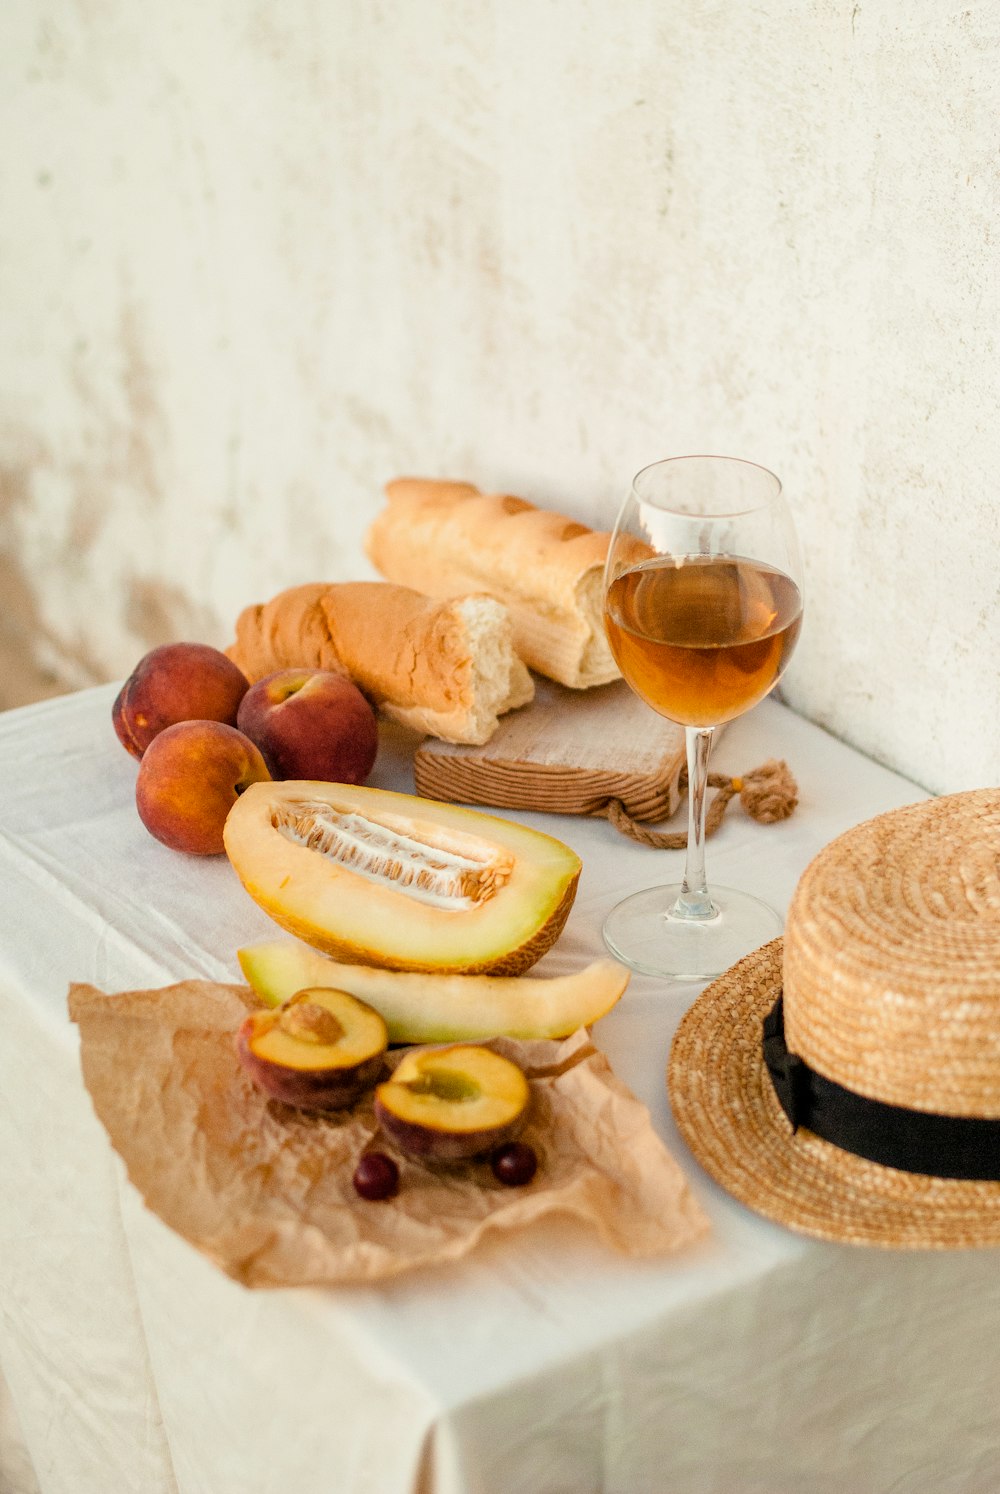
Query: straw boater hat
{"points": [[846, 1080]]}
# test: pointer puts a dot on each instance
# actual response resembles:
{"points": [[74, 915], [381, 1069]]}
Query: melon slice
{"points": [[420, 1008], [380, 878]]}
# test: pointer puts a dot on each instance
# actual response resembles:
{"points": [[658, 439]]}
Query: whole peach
{"points": [[176, 682], [190, 777], [309, 723]]}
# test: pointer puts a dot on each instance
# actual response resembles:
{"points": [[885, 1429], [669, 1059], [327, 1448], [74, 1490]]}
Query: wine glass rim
{"points": [[709, 457]]}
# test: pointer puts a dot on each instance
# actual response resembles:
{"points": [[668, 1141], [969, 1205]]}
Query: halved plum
{"points": [[319, 1051], [447, 1104]]}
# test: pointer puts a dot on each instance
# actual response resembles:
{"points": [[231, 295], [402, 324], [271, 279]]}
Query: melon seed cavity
{"points": [[450, 875]]}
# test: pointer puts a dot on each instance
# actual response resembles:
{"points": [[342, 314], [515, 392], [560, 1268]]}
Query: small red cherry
{"points": [[514, 1164], [376, 1177]]}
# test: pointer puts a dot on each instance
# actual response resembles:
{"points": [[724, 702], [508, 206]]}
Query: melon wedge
{"points": [[420, 1008], [380, 878]]}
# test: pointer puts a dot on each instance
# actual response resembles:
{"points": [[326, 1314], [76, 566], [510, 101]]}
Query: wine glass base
{"points": [[643, 933]]}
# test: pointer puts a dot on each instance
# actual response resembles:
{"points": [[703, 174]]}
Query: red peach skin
{"points": [[190, 777], [176, 682]]}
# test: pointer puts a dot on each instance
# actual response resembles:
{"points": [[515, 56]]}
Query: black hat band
{"points": [[942, 1146]]}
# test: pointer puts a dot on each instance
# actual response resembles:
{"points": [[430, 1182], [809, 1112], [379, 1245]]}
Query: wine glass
{"points": [[702, 607]]}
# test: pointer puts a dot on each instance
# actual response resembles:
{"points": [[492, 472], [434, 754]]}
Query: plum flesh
{"points": [[319, 1051], [448, 1104]]}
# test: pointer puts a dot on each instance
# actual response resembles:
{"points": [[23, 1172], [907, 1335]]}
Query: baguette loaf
{"points": [[445, 668], [448, 538]]}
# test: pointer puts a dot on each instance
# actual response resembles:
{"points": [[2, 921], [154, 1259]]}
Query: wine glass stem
{"points": [[694, 900]]}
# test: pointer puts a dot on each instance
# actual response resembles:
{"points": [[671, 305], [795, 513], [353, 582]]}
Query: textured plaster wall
{"points": [[256, 258]]}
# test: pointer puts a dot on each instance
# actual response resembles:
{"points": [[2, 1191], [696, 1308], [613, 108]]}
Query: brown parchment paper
{"points": [[265, 1191]]}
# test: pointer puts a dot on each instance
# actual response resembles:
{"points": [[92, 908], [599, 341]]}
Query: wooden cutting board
{"points": [[569, 752]]}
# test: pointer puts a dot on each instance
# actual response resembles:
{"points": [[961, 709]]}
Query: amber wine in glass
{"points": [[702, 607]]}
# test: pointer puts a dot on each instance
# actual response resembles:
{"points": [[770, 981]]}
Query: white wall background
{"points": [[258, 257]]}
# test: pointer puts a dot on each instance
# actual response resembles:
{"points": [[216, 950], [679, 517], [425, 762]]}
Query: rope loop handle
{"points": [[768, 794]]}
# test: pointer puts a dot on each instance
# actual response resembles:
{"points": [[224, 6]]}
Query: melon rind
{"points": [[347, 915], [421, 1008]]}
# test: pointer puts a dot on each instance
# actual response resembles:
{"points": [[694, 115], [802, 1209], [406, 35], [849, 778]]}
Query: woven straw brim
{"points": [[728, 1114]]}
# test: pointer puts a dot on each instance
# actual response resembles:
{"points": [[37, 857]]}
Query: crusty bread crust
{"points": [[288, 632], [448, 538], [445, 668]]}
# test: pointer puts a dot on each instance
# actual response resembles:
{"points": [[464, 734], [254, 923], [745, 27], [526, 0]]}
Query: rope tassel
{"points": [[768, 794]]}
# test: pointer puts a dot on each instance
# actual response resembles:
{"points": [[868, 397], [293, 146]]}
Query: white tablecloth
{"points": [[758, 1362]]}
